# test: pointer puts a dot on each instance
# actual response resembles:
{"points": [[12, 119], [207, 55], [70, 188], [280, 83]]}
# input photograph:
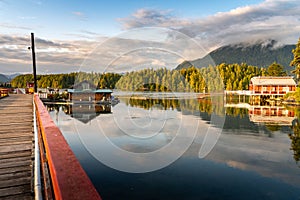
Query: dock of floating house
{"points": [[62, 176]]}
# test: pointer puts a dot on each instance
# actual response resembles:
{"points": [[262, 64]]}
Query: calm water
{"points": [[177, 147]]}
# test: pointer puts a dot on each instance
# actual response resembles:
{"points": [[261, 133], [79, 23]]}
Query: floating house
{"points": [[269, 88], [86, 92]]}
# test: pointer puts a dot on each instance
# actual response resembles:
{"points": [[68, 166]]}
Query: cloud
{"points": [[132, 50], [10, 26], [52, 56], [269, 157], [142, 48], [151, 17], [275, 19], [80, 15], [173, 40]]}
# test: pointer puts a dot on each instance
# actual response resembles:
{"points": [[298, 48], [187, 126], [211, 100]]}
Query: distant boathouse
{"points": [[86, 92]]}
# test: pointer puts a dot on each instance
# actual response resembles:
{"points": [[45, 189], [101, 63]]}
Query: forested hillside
{"points": [[210, 79], [260, 54]]}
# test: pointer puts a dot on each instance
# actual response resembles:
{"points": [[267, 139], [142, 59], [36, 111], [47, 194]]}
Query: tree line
{"points": [[192, 79], [101, 80]]}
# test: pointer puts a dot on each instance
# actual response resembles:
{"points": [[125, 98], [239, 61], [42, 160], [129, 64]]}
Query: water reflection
{"points": [[275, 115], [81, 112], [261, 120], [255, 153]]}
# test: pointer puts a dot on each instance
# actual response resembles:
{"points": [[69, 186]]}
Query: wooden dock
{"points": [[16, 147]]}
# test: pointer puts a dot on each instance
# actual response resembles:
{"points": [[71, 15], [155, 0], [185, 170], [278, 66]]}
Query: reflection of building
{"points": [[87, 92], [86, 112], [277, 115], [271, 115]]}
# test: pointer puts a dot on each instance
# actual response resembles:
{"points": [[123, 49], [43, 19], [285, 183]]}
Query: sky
{"points": [[121, 36]]}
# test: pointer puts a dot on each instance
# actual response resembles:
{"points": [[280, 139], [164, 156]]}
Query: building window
{"points": [[264, 88], [285, 89]]}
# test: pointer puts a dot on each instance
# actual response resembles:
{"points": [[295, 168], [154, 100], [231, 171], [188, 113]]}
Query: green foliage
{"points": [[153, 80], [260, 54], [295, 140], [293, 96], [107, 80], [296, 61], [237, 77], [276, 69], [210, 79], [162, 80], [273, 127]]}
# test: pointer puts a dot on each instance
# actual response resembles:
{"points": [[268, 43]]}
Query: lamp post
{"points": [[33, 62]]}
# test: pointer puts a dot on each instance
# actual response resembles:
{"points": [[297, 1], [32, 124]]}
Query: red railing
{"points": [[68, 179]]}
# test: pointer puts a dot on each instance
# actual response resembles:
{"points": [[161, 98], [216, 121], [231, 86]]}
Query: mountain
{"points": [[12, 76], [261, 54], [4, 79]]}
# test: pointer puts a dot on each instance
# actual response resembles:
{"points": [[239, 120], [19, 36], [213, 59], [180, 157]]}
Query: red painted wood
{"points": [[68, 178]]}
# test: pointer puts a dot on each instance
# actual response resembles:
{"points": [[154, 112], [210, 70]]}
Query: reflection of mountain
{"points": [[84, 112]]}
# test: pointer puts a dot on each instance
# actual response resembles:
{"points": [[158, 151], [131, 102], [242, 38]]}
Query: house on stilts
{"points": [[269, 88]]}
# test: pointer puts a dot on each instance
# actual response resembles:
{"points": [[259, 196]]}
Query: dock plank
{"points": [[14, 191], [16, 147], [15, 169]]}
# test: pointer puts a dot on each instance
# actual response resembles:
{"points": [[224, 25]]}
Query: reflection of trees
{"points": [[273, 127], [237, 112], [147, 104], [52, 107], [295, 139], [208, 105]]}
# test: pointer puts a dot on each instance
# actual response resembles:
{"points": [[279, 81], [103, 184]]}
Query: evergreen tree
{"points": [[296, 61], [276, 69]]}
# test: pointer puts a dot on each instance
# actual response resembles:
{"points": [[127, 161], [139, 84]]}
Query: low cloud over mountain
{"points": [[260, 53]]}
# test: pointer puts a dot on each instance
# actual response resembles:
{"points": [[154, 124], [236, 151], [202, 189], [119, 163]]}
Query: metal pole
{"points": [[33, 62]]}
